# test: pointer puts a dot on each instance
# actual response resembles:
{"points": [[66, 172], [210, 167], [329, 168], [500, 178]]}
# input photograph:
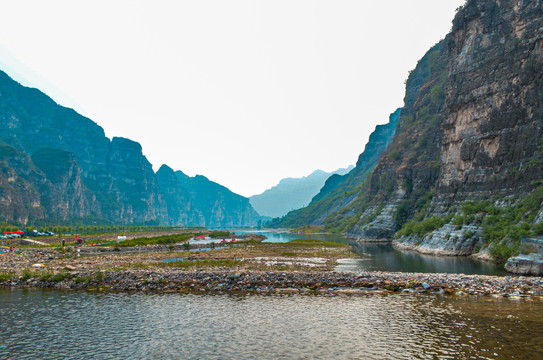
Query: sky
{"points": [[245, 92]]}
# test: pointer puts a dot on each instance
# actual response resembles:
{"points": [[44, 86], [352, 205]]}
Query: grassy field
{"points": [[296, 255]]}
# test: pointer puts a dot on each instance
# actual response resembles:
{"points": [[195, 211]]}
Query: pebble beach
{"points": [[106, 270]]}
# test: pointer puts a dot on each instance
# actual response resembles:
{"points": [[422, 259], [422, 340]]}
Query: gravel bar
{"points": [[171, 280]]}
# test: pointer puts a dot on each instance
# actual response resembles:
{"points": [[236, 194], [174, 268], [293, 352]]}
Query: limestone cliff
{"points": [[331, 207], [214, 205], [58, 166], [19, 195], [107, 180], [491, 153], [178, 199], [69, 197], [493, 110], [464, 171]]}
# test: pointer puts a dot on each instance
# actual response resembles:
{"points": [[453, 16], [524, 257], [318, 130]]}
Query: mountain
{"points": [[58, 166], [339, 190], [216, 204], [292, 193], [463, 173]]}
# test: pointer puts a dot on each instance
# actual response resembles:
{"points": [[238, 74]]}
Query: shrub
{"points": [[421, 228], [6, 276]]}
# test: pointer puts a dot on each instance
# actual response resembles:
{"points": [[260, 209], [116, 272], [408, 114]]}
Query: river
{"points": [[92, 325], [383, 257], [88, 325]]}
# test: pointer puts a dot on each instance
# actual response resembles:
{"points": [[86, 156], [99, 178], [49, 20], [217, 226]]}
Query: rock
{"points": [[470, 129], [530, 264], [233, 276], [425, 286]]}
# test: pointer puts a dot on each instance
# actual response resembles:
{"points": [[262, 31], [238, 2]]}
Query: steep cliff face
{"points": [[493, 111], [19, 197], [69, 197], [465, 167], [135, 182], [106, 180], [214, 205], [292, 193], [332, 206], [491, 157], [56, 165], [30, 120], [478, 106], [402, 183], [177, 198]]}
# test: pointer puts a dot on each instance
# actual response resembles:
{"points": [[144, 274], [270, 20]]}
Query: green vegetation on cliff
{"points": [[293, 193], [334, 199], [464, 168], [58, 167]]}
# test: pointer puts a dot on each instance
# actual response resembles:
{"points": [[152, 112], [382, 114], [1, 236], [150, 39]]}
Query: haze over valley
{"points": [[222, 220]]}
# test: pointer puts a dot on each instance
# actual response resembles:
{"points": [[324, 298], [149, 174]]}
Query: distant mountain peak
{"points": [[291, 193]]}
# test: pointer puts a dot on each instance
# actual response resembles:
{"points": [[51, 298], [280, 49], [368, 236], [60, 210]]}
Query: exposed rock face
{"points": [[19, 197], [214, 205], [525, 265], [446, 241], [56, 165], [105, 180], [475, 100], [69, 197], [177, 198], [493, 111], [470, 129], [530, 259], [135, 181], [339, 191]]}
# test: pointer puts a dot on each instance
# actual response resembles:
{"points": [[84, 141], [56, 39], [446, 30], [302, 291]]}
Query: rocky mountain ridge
{"points": [[339, 191], [292, 193], [464, 170], [58, 166]]}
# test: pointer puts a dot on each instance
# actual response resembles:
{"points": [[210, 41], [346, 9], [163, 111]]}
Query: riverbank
{"points": [[297, 266], [174, 280]]}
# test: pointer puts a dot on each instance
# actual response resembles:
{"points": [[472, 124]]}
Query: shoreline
{"points": [[302, 266], [227, 281]]}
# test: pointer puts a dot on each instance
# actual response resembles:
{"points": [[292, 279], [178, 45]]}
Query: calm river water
{"points": [[39, 324], [383, 257]]}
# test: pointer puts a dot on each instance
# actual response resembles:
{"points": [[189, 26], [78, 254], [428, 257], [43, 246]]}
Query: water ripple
{"points": [[60, 325]]}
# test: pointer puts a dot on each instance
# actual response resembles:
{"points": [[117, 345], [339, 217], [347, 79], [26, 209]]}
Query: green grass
{"points": [[6, 276], [289, 254], [83, 279], [47, 275], [157, 240], [220, 234]]}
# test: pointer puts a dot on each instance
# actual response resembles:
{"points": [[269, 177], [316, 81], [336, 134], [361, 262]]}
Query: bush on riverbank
{"points": [[158, 240], [503, 226], [421, 228]]}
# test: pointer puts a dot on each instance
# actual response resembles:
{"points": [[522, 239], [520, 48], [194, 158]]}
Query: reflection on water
{"points": [[383, 257], [54, 324]]}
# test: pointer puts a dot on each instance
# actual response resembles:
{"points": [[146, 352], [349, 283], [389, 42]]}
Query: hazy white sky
{"points": [[243, 92]]}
